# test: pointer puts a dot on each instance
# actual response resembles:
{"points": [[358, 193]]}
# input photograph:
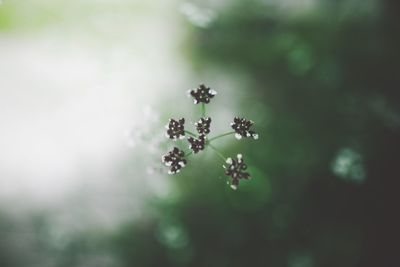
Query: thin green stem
{"points": [[190, 133], [221, 135], [217, 151], [188, 153], [203, 110]]}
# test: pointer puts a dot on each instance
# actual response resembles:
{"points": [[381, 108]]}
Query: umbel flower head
{"points": [[236, 170], [202, 94], [197, 144], [176, 129], [203, 125], [175, 160], [242, 128]]}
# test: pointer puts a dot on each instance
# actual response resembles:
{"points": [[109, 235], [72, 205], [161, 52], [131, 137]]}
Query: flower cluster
{"points": [[202, 94], [242, 128], [236, 170], [176, 159], [175, 129], [203, 125], [197, 144]]}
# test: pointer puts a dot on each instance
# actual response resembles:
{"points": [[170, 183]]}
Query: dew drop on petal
{"points": [[213, 92], [238, 136]]}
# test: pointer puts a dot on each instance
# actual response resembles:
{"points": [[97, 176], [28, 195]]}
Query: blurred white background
{"points": [[74, 77]]}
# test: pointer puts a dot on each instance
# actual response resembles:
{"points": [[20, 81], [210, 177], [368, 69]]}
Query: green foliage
{"points": [[321, 83]]}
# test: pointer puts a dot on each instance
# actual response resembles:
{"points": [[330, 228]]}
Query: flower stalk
{"points": [[217, 152], [190, 133], [219, 136]]}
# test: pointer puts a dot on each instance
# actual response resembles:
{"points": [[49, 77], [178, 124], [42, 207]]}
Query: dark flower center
{"points": [[176, 129], [202, 94], [197, 144], [203, 125], [175, 160], [236, 170], [242, 128]]}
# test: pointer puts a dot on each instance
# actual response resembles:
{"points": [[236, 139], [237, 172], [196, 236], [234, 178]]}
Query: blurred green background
{"points": [[320, 79]]}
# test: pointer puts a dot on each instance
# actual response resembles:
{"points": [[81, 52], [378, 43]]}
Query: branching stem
{"points": [[203, 110], [217, 151], [190, 133], [219, 136]]}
